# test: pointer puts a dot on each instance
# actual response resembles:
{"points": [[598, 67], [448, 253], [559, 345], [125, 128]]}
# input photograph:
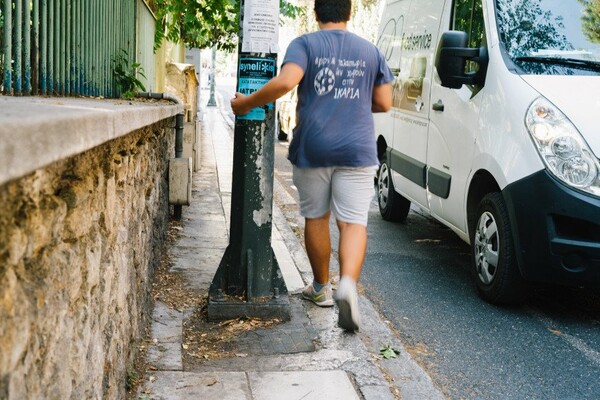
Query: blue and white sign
{"points": [[253, 73]]}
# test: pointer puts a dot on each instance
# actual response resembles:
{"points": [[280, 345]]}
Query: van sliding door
{"points": [[411, 98]]}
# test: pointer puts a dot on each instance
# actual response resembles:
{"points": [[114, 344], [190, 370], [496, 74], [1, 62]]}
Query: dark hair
{"points": [[333, 10]]}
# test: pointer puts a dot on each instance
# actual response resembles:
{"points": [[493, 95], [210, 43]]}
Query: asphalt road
{"points": [[418, 275]]}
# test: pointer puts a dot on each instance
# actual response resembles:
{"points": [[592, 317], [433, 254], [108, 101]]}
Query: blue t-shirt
{"points": [[334, 118]]}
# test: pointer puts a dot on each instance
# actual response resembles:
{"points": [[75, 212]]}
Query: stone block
{"points": [[180, 181]]}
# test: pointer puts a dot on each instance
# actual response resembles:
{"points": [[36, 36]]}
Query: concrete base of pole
{"points": [[227, 307]]}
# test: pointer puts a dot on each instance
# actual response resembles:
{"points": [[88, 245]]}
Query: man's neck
{"points": [[328, 26]]}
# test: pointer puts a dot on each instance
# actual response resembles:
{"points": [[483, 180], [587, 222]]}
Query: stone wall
{"points": [[78, 243]]}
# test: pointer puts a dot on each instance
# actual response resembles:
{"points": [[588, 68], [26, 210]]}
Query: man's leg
{"points": [[352, 192], [318, 247], [314, 191], [352, 249]]}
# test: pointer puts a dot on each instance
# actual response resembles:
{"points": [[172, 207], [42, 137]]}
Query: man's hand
{"points": [[289, 76], [238, 104]]}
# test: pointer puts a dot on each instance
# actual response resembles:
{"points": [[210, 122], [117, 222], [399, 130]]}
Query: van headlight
{"points": [[562, 148]]}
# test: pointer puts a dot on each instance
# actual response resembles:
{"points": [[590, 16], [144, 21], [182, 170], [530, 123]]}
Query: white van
{"points": [[495, 131]]}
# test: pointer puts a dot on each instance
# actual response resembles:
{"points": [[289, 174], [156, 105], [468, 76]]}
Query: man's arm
{"points": [[382, 98], [290, 75]]}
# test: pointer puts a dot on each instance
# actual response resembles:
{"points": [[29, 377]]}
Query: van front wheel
{"points": [[497, 275], [392, 206]]}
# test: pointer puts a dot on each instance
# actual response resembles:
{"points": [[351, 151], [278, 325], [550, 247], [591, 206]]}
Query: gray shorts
{"points": [[346, 191]]}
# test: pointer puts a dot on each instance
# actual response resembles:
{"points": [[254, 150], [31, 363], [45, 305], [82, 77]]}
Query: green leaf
{"points": [[389, 352]]}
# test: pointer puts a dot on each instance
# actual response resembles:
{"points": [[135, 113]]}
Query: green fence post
{"points": [[35, 47], [18, 54], [51, 52], [68, 47], [44, 46], [7, 46], [57, 48], [27, 47]]}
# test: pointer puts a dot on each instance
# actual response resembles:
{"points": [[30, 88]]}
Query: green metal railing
{"points": [[67, 47]]}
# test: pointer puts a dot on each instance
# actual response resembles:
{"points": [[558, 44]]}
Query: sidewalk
{"points": [[308, 357]]}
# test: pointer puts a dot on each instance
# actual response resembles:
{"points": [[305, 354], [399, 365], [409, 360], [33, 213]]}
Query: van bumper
{"points": [[556, 231]]}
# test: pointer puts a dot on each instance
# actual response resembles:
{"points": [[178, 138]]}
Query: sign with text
{"points": [[261, 26], [253, 73]]}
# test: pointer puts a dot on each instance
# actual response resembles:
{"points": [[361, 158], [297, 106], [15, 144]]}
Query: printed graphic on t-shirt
{"points": [[340, 76], [324, 81]]}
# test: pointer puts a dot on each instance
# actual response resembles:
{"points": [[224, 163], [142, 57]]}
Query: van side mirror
{"points": [[451, 59]]}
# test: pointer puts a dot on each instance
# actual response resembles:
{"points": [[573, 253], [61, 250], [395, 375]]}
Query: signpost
{"points": [[248, 282]]}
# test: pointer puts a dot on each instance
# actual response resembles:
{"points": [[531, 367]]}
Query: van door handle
{"points": [[439, 106]]}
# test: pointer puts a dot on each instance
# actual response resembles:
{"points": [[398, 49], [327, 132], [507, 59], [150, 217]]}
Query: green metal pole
{"points": [[90, 47], [77, 61], [52, 53], [134, 26], [27, 47], [102, 48], [86, 48], [249, 268], [68, 47], [18, 55], [97, 39], [7, 46], [35, 68], [94, 21], [103, 53], [82, 45], [131, 32], [107, 47], [113, 44], [44, 47], [58, 46], [63, 47], [101, 60], [77, 46], [87, 62]]}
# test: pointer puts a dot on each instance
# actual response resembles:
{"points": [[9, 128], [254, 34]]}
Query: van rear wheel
{"points": [[392, 206], [497, 275]]}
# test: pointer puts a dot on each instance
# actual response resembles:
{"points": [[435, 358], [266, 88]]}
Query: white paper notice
{"points": [[261, 26]]}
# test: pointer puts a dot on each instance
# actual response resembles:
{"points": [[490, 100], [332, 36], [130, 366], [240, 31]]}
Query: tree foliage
{"points": [[591, 19], [203, 23], [365, 19]]}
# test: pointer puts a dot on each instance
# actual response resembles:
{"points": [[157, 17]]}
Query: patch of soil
{"points": [[206, 340]]}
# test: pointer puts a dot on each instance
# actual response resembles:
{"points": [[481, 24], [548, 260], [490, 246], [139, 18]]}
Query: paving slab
{"points": [[177, 385], [302, 385]]}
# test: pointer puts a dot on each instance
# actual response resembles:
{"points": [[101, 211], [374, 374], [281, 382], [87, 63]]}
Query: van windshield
{"points": [[551, 37]]}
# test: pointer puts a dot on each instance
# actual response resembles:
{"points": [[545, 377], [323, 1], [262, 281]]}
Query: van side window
{"points": [[467, 16]]}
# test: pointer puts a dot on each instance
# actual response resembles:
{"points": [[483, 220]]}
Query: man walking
{"points": [[341, 80]]}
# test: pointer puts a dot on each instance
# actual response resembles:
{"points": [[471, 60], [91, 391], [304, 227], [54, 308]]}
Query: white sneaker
{"points": [[323, 298], [347, 301]]}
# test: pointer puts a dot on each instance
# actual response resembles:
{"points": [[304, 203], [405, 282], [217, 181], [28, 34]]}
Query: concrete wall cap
{"points": [[36, 131]]}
